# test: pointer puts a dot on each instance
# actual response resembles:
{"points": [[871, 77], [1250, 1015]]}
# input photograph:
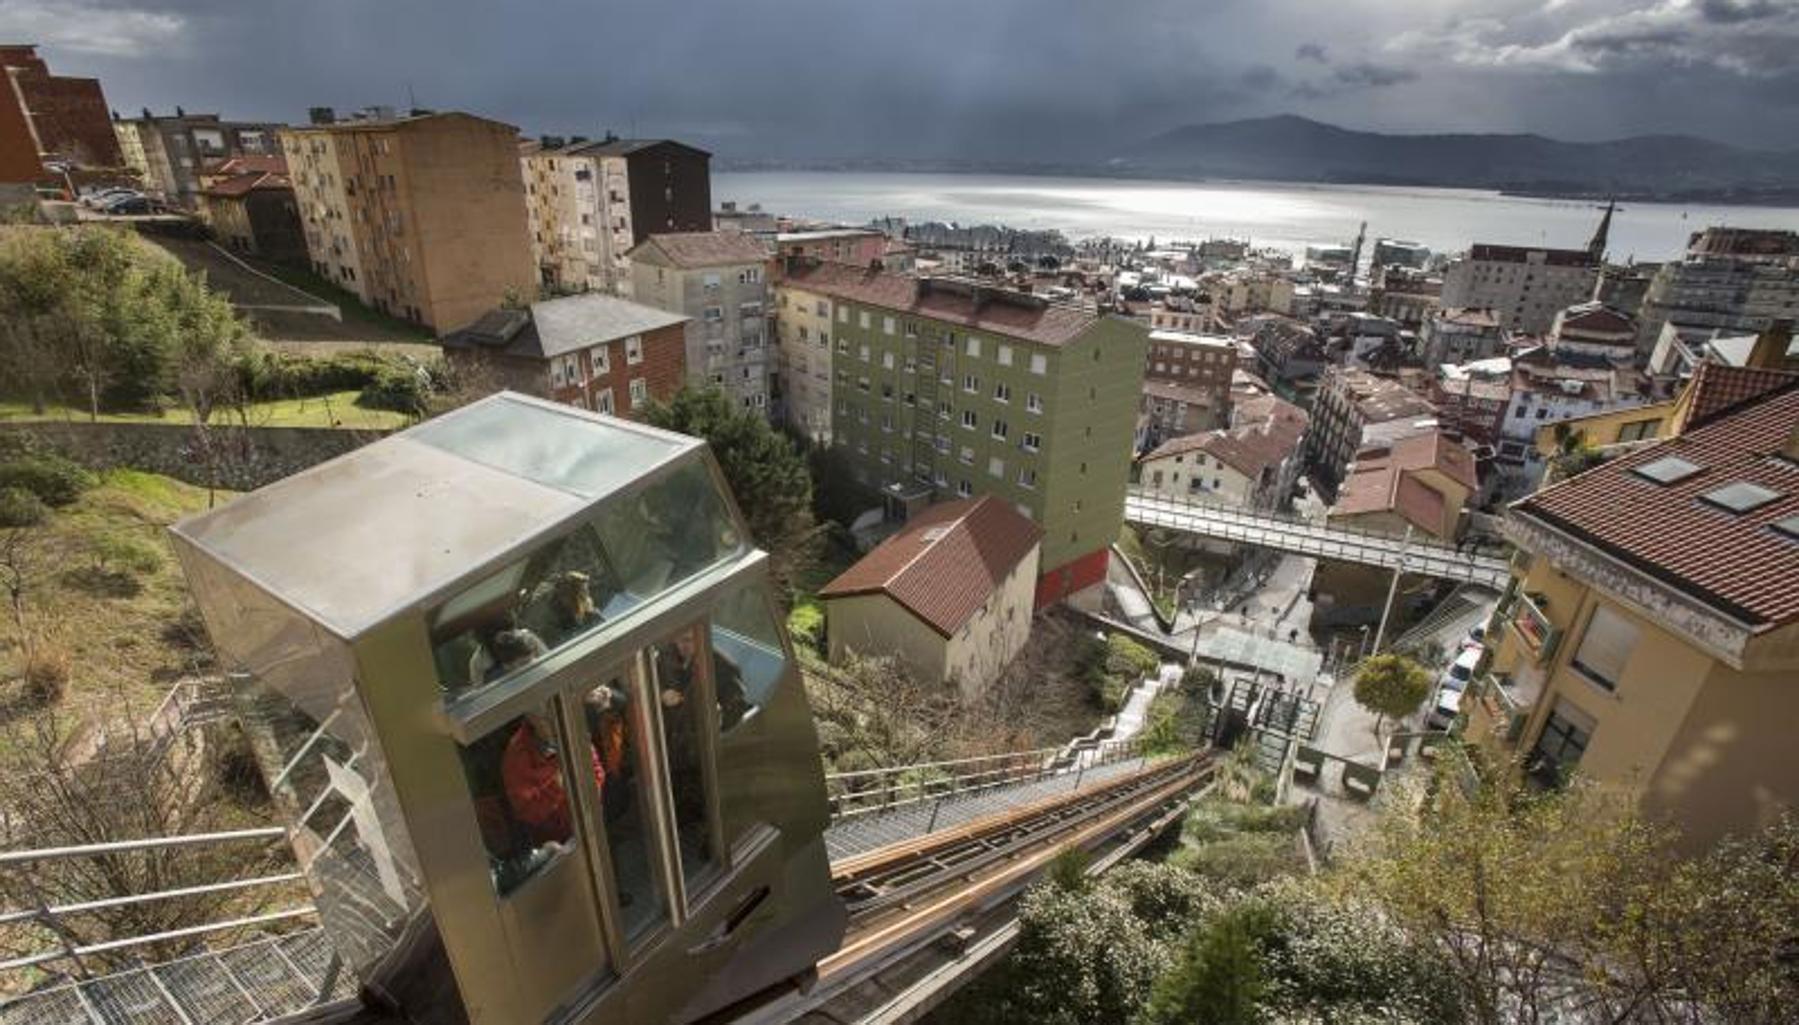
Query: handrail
{"points": [[58, 910], [171, 934], [9, 858], [908, 785]]}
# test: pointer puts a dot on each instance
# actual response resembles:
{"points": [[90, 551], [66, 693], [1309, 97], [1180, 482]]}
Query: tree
{"points": [[1569, 905], [764, 470], [1218, 980], [1391, 685]]}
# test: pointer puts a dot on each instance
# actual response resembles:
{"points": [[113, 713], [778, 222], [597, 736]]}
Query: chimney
{"points": [[1770, 350], [314, 115]]}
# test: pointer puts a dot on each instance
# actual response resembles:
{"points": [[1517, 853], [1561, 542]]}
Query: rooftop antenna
{"points": [[412, 101]]}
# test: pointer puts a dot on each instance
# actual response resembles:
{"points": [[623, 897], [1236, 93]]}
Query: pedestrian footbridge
{"points": [[1307, 537]]}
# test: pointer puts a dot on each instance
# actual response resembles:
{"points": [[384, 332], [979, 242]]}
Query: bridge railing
{"points": [[868, 791], [1295, 520]]}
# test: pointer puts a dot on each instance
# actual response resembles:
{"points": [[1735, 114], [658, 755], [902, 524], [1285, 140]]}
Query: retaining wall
{"points": [[243, 458]]}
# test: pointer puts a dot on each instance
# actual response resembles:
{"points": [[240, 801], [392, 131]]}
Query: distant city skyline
{"points": [[1043, 80]]}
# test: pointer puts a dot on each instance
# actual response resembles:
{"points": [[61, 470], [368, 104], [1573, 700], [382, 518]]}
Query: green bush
{"points": [[1124, 655], [55, 481], [21, 508], [1113, 693], [806, 623], [1244, 860], [400, 389], [125, 554], [284, 375]]}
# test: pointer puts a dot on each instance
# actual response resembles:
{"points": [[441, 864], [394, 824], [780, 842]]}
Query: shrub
{"points": [[21, 508], [286, 375], [125, 554], [806, 623], [401, 389], [46, 675], [1113, 693], [233, 763], [55, 481], [1244, 860], [1126, 655]]}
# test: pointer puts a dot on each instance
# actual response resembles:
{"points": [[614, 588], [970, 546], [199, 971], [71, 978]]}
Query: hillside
{"points": [[1297, 149]]}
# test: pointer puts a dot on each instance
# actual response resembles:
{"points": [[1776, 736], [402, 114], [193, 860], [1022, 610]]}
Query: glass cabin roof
{"points": [[353, 540]]}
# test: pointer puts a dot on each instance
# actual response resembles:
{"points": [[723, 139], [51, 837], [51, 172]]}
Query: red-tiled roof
{"points": [[244, 184], [689, 249], [1717, 388], [1598, 318], [995, 310], [1735, 562], [1387, 479], [946, 562]]}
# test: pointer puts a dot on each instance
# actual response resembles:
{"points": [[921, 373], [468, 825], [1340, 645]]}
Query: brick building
{"points": [[67, 117], [594, 351], [176, 154], [255, 212]]}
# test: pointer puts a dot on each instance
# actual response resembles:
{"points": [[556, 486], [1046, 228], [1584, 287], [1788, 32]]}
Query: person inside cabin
{"points": [[605, 709], [504, 651], [572, 610], [531, 771]]}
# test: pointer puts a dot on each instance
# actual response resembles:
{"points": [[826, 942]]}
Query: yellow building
{"points": [[803, 351], [1650, 640], [422, 217], [950, 595]]}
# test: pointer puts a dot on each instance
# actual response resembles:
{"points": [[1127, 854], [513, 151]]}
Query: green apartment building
{"points": [[939, 389]]}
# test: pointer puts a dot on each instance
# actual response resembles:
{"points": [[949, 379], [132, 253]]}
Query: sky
{"points": [[1019, 80]]}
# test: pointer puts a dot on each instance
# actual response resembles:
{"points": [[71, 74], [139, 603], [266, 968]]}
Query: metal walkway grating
{"points": [[860, 834], [251, 982]]}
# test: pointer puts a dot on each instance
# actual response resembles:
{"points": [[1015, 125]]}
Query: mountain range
{"points": [[1291, 148]]}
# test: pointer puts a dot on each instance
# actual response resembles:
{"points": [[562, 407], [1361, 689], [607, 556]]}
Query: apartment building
{"points": [[1524, 287], [951, 389], [1421, 482], [65, 117], [593, 351], [1202, 365], [176, 153], [1650, 638], [1472, 398], [420, 216], [1548, 386], [590, 202], [1461, 336], [255, 213], [803, 360], [858, 247], [1731, 281], [1597, 330], [1252, 466], [720, 280], [1354, 409]]}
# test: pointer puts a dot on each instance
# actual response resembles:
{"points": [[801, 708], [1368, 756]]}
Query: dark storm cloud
{"points": [[1368, 73], [999, 79]]}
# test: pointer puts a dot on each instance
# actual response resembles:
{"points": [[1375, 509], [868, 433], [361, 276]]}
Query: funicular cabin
{"points": [[516, 677]]}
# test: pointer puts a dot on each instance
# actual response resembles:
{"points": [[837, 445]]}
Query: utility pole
{"points": [[1393, 589]]}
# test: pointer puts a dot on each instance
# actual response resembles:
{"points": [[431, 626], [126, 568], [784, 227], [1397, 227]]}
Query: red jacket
{"points": [[533, 780]]}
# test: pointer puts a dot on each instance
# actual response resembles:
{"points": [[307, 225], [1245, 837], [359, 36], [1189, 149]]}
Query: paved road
{"points": [[1305, 537]]}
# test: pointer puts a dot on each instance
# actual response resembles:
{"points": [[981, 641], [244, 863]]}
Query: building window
{"points": [[888, 326], [1027, 478], [964, 488], [966, 455], [1559, 747], [600, 357], [997, 467], [1039, 363], [1638, 430], [1004, 355], [843, 346], [862, 353], [602, 400], [749, 276], [713, 314], [1605, 647], [1002, 392], [862, 384], [887, 360], [1001, 429], [973, 347], [710, 282], [1033, 403], [969, 419], [640, 392], [823, 308], [1031, 442], [634, 350], [971, 384], [863, 318], [843, 314]]}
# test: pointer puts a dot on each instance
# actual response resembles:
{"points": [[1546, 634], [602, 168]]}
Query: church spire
{"points": [[1596, 248]]}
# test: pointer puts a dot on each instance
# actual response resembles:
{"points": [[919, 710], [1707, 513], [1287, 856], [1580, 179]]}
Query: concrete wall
{"points": [[997, 631], [245, 458], [875, 625]]}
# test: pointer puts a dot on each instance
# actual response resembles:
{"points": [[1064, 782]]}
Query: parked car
{"points": [[1443, 712], [1452, 684], [100, 197], [132, 204]]}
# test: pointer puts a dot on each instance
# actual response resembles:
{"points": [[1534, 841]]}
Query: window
{"points": [[1004, 355], [1031, 442], [863, 318], [964, 488], [823, 308], [966, 455], [862, 383], [1559, 747], [1001, 429], [943, 444], [710, 281], [887, 360], [997, 467], [1002, 392], [888, 326], [602, 400], [640, 392], [713, 314], [679, 670], [843, 346], [634, 350], [969, 419], [1027, 477], [973, 347], [843, 314], [1033, 403], [862, 353], [1605, 647], [971, 384], [749, 276]]}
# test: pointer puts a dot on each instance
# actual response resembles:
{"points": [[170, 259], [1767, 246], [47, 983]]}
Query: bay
{"points": [[1279, 215]]}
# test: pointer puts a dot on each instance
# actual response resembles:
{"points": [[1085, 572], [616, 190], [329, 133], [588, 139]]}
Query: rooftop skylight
{"points": [[1740, 496], [1667, 470], [1788, 526]]}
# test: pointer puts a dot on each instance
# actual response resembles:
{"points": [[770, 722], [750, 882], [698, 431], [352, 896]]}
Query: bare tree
{"points": [[134, 785], [26, 557]]}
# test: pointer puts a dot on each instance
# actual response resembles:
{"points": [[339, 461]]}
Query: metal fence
{"points": [[868, 791]]}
